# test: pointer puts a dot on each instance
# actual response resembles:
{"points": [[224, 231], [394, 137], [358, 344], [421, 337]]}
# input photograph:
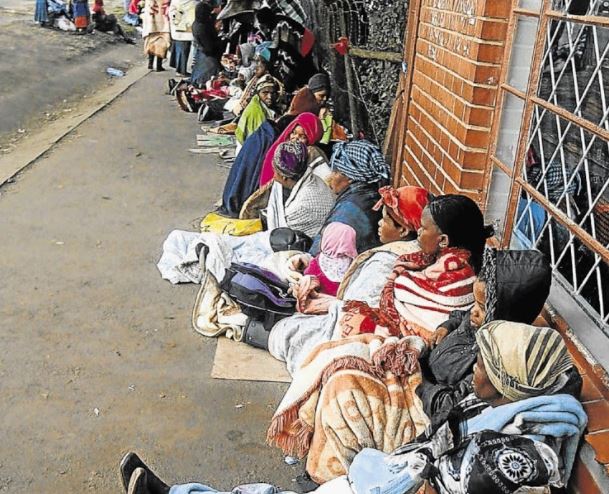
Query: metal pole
{"points": [[352, 104]]}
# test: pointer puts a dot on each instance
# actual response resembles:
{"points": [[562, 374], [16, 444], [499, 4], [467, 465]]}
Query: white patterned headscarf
{"points": [[360, 161], [522, 361]]}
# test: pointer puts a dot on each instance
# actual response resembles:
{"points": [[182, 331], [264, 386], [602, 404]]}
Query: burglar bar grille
{"points": [[554, 137]]}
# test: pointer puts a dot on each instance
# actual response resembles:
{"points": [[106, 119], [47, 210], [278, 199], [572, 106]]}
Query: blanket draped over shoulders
{"points": [[354, 208], [421, 292], [306, 207]]}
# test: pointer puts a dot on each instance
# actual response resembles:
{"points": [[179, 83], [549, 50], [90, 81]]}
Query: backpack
{"points": [[261, 295]]}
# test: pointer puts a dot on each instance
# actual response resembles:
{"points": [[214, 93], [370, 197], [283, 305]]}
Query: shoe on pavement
{"points": [[132, 462]]}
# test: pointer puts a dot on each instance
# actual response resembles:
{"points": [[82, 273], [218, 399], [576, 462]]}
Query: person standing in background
{"points": [[41, 14], [156, 32], [181, 18], [81, 14], [207, 44]]}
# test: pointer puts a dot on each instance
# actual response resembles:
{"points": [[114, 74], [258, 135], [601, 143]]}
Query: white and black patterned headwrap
{"points": [[360, 161]]}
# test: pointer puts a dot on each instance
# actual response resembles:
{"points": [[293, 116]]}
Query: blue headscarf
{"points": [[360, 161]]}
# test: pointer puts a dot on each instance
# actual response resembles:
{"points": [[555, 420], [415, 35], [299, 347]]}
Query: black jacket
{"points": [[523, 279]]}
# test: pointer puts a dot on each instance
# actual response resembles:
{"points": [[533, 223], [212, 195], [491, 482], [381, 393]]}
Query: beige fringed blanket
{"points": [[347, 395]]}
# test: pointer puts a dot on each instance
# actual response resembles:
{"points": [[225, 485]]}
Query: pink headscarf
{"points": [[338, 240], [313, 129]]}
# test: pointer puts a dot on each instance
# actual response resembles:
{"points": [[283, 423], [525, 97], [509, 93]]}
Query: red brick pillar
{"points": [[457, 64]]}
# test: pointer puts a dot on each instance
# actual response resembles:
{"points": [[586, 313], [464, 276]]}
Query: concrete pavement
{"points": [[97, 354]]}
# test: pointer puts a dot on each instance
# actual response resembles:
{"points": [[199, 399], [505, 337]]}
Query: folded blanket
{"points": [[293, 338], [558, 416], [349, 394]]}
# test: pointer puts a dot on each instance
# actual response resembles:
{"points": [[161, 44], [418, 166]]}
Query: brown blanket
{"points": [[350, 394]]}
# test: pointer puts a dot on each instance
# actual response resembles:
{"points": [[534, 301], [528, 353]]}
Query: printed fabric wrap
{"points": [[420, 293]]}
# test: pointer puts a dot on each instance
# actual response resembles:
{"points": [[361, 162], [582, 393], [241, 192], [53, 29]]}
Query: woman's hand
{"points": [[437, 336], [299, 262]]}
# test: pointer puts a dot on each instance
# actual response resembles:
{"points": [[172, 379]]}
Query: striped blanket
{"points": [[419, 294], [348, 395]]}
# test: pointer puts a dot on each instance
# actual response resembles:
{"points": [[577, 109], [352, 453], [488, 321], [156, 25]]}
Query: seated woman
{"points": [[262, 67], [426, 286], [413, 200], [300, 200], [292, 339], [525, 386], [360, 393], [308, 131], [259, 147], [261, 107], [305, 100], [358, 171], [319, 84], [513, 285], [312, 97]]}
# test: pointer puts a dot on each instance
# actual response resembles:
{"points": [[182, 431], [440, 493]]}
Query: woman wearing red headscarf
{"points": [[402, 209], [293, 338], [306, 128]]}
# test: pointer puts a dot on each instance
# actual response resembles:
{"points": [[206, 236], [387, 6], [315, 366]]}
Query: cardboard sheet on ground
{"points": [[241, 362]]}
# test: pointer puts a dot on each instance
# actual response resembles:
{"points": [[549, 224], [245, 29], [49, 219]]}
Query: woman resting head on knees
{"points": [[513, 285], [311, 98], [298, 199], [305, 128], [427, 285], [358, 171], [320, 86], [261, 107]]}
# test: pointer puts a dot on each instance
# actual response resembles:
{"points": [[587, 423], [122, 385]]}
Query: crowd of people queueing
{"points": [[415, 349]]}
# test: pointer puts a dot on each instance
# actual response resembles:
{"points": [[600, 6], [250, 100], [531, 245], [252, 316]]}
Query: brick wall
{"points": [[458, 58]]}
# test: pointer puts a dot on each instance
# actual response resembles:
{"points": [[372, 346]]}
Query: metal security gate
{"points": [[547, 187]]}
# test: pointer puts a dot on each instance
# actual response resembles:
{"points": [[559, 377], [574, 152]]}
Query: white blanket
{"points": [[306, 208], [181, 261]]}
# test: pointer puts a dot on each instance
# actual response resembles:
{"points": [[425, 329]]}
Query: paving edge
{"points": [[35, 145]]}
